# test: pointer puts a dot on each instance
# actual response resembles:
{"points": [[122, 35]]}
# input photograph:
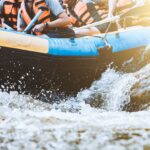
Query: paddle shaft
{"points": [[107, 20], [131, 11], [5, 26], [33, 21]]}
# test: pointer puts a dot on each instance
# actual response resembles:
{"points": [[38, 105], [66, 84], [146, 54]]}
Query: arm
{"points": [[1, 8], [0, 13], [111, 5], [57, 10], [61, 21], [20, 22]]}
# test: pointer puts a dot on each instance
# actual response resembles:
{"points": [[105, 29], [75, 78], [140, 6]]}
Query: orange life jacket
{"points": [[86, 13], [45, 17], [10, 12]]}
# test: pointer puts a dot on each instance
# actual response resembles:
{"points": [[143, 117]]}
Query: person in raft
{"points": [[139, 18], [8, 13], [53, 22], [83, 12]]}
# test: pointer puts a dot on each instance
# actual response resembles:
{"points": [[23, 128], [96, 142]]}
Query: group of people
{"points": [[62, 18]]}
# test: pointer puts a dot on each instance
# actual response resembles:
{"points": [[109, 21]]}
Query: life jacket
{"points": [[45, 17], [86, 13], [10, 12]]}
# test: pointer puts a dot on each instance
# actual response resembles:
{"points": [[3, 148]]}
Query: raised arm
{"points": [[111, 5]]}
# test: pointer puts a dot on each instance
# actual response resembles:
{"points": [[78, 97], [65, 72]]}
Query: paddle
{"points": [[5, 26], [107, 20], [36, 17], [133, 11]]}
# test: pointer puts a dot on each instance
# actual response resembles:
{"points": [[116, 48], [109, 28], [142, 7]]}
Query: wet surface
{"points": [[100, 117]]}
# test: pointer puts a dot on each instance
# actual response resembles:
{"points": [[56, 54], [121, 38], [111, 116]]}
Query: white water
{"points": [[29, 124]]}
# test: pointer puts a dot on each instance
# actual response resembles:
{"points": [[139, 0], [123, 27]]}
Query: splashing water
{"points": [[116, 90], [113, 89], [92, 120]]}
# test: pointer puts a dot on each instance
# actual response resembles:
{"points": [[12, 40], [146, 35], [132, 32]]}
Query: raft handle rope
{"points": [[107, 44]]}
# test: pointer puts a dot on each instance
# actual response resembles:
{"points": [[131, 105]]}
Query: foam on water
{"points": [[26, 123], [113, 89]]}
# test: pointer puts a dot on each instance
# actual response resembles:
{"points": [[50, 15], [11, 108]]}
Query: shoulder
{"points": [[54, 6], [52, 3]]}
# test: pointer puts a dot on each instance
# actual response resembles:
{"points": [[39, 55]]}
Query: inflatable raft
{"points": [[31, 64]]}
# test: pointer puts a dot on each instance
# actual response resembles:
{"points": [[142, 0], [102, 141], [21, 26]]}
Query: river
{"points": [[113, 114]]}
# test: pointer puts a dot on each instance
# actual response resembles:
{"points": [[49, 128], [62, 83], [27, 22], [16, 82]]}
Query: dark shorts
{"points": [[61, 33]]}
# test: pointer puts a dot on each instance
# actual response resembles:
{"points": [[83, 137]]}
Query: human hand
{"points": [[110, 15], [20, 30], [39, 28]]}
